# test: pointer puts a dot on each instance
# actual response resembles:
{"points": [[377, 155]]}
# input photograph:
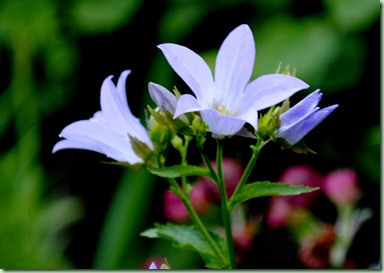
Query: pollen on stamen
{"points": [[224, 111]]}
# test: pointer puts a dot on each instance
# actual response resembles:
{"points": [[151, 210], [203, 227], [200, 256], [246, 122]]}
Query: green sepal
{"points": [[178, 125], [143, 151], [270, 122], [188, 236], [266, 188], [180, 171]]}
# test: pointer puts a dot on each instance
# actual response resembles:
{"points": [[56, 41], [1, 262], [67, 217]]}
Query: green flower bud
{"points": [[143, 151]]}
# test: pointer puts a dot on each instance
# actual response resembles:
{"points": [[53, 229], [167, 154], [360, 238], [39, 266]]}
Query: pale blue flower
{"points": [[162, 97], [227, 101], [302, 118], [152, 266], [108, 131]]}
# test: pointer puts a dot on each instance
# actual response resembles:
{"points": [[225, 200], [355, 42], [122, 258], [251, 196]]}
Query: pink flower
{"points": [[282, 207], [301, 175], [279, 212], [341, 187], [232, 172], [175, 210]]}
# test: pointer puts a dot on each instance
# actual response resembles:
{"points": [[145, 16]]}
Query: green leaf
{"points": [[180, 171], [266, 188], [187, 236]]}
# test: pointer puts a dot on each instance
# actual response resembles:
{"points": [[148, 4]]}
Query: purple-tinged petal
{"points": [[92, 145], [162, 97], [221, 125], [186, 104], [116, 111], [302, 108], [271, 89], [121, 91], [100, 134], [80, 143], [152, 266], [234, 64], [250, 115], [192, 69], [292, 133], [245, 133]]}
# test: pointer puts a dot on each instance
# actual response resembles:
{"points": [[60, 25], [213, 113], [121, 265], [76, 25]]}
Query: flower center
{"points": [[224, 110]]}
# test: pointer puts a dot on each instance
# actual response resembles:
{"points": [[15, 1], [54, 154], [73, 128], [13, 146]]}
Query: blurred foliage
{"points": [[39, 60], [41, 67], [97, 16]]}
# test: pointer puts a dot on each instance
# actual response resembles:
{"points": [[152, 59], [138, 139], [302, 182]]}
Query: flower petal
{"points": [[292, 133], [186, 104], [99, 137], [234, 64], [221, 125], [250, 116], [302, 108], [152, 266], [162, 97], [116, 110], [88, 144], [271, 89], [192, 69]]}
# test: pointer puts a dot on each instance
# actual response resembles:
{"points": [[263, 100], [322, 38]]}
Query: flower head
{"points": [[282, 208], [302, 118], [163, 265], [227, 101], [341, 187], [152, 266], [166, 103], [112, 130]]}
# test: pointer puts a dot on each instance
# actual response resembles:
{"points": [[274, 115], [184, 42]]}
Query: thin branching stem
{"points": [[248, 170], [224, 211], [196, 219]]}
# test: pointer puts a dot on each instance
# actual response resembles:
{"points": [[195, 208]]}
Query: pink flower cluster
{"points": [[340, 187]]}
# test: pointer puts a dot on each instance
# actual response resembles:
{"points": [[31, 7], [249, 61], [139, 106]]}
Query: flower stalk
{"points": [[248, 170], [224, 210], [196, 219]]}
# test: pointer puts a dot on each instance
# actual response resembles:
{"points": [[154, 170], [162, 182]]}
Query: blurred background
{"points": [[68, 210]]}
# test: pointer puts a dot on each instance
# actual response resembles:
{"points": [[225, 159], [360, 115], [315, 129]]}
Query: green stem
{"points": [[184, 161], [206, 160], [224, 211], [344, 236], [256, 151], [196, 219]]}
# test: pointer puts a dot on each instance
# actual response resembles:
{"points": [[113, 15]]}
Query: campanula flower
{"points": [[152, 266], [227, 101], [162, 97], [110, 131], [302, 118]]}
